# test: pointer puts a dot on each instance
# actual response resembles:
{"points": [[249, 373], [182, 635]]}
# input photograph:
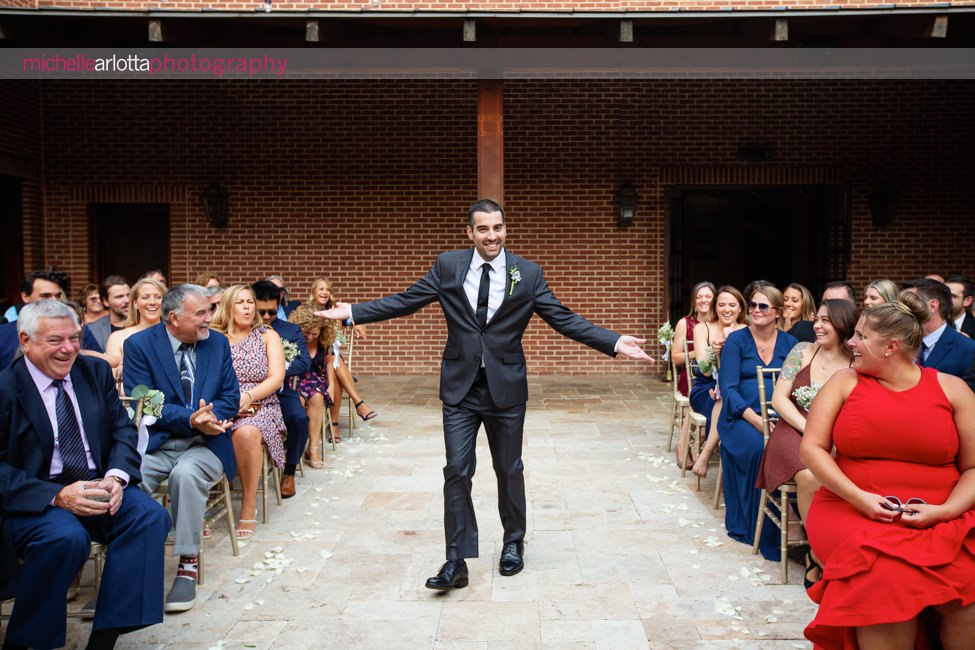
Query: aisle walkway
{"points": [[621, 553]]}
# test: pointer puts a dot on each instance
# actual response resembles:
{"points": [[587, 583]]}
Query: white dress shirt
{"points": [[931, 340], [49, 394], [472, 282]]}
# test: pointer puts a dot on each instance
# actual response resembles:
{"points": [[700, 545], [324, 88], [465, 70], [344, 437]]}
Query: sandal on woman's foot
{"points": [[368, 416], [246, 533], [811, 567], [316, 463], [207, 533], [334, 433]]}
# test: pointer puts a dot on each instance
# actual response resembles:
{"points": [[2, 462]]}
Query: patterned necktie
{"points": [[185, 375], [70, 444], [482, 295]]}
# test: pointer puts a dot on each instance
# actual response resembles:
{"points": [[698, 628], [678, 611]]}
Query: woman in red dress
{"points": [[894, 521]]}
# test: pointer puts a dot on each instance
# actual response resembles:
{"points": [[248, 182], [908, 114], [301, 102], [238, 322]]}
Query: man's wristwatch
{"points": [[118, 479]]}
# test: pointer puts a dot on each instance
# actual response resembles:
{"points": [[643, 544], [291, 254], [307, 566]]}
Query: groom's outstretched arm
{"points": [[568, 323], [421, 294]]}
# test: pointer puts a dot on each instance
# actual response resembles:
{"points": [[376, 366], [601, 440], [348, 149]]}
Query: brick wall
{"points": [[380, 6], [366, 181], [20, 156]]}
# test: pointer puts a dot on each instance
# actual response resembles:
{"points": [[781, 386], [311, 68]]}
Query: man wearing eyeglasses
{"points": [[267, 297]]}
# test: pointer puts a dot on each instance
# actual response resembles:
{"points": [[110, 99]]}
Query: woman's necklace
{"points": [[763, 348]]}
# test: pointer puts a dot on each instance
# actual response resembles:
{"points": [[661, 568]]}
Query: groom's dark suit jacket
{"points": [[499, 344], [27, 444]]}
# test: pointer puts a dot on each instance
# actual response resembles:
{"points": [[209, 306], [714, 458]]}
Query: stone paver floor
{"points": [[621, 552]]}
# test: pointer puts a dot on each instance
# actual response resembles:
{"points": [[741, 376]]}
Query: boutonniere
{"points": [[515, 276]]}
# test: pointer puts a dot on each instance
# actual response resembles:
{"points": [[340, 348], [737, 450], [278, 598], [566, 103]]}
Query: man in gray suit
{"points": [[114, 292], [488, 295]]}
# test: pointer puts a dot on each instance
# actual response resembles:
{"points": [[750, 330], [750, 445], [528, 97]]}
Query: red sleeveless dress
{"points": [[901, 444], [682, 376]]}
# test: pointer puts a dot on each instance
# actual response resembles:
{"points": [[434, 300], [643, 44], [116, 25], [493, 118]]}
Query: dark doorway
{"points": [[736, 235], [130, 239], [12, 248]]}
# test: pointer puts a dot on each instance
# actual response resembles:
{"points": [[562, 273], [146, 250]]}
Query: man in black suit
{"points": [[961, 304], [488, 295], [69, 471], [267, 298]]}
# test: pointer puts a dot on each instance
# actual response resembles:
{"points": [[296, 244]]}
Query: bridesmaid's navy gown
{"points": [[741, 443]]}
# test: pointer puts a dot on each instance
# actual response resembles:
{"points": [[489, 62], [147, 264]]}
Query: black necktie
{"points": [[185, 377], [920, 354], [482, 295], [70, 444]]}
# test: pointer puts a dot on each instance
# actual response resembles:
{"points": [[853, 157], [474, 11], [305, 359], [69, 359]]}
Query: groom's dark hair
{"points": [[483, 205]]}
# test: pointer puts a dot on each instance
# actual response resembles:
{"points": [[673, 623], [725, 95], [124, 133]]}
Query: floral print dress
{"points": [[250, 363]]}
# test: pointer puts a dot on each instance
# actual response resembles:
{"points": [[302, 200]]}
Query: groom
{"points": [[488, 295]]}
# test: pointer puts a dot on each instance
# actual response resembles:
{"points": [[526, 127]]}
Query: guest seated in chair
{"points": [[798, 312], [878, 292], [145, 310], [190, 443], [943, 347], [68, 474], [258, 360], [285, 304], [705, 398], [702, 311], [894, 522], [266, 294], [740, 422], [91, 303], [114, 295], [321, 297], [316, 385], [804, 372]]}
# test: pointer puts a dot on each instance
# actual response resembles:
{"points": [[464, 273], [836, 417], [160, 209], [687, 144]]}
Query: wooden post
{"points": [[490, 140]]}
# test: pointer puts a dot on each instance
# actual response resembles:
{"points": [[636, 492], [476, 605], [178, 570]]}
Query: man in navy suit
{"points": [[68, 473], [942, 347], [488, 295], [267, 298], [190, 443]]}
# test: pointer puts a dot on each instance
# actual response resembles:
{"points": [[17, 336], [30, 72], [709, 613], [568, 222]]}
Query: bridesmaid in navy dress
{"points": [[740, 422]]}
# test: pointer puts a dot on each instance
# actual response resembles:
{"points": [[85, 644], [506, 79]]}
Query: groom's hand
{"points": [[341, 312], [630, 346]]}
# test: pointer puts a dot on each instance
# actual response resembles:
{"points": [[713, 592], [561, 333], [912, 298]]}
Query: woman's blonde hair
{"points": [[775, 298], [311, 293], [886, 288], [133, 318], [225, 312], [900, 320], [304, 317]]}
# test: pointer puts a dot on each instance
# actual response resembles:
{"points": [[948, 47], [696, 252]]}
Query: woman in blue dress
{"points": [[740, 422]]}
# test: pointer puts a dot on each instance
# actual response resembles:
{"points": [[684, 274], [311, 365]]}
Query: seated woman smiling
{"points": [[894, 522]]}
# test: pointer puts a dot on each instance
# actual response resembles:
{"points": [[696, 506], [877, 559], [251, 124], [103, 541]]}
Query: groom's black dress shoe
{"points": [[512, 558], [452, 575]]}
